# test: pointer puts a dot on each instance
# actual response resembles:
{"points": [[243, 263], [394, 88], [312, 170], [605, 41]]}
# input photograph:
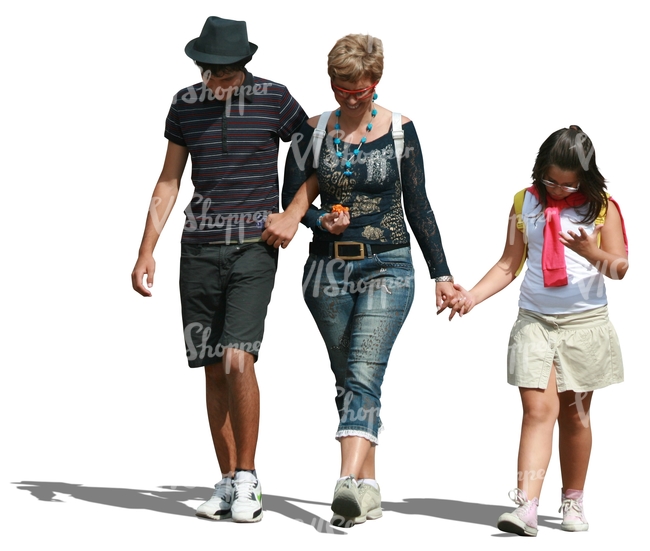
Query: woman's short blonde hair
{"points": [[356, 56]]}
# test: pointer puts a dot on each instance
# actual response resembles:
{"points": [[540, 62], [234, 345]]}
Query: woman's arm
{"points": [[417, 207], [610, 258], [421, 218], [500, 275]]}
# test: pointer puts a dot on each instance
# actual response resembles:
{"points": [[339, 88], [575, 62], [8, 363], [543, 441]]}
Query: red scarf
{"points": [[553, 261]]}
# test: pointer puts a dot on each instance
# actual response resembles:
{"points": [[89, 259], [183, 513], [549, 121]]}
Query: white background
{"points": [[99, 410]]}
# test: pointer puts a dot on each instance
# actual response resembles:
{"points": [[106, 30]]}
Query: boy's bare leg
{"points": [[243, 404], [217, 401]]}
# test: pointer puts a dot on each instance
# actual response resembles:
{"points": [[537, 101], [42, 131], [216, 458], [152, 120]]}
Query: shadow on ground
{"points": [[171, 500]]}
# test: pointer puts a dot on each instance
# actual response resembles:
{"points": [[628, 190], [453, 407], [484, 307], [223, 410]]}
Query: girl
{"points": [[562, 346]]}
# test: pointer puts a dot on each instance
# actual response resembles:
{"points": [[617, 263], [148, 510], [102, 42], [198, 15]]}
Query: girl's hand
{"points": [[336, 222], [464, 304], [446, 296], [582, 243]]}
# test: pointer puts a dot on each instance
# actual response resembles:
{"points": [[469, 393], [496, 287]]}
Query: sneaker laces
{"points": [[569, 504], [220, 489], [521, 500], [518, 496], [350, 481], [245, 488]]}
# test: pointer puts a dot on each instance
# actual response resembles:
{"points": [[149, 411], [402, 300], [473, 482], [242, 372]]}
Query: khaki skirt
{"points": [[583, 347]]}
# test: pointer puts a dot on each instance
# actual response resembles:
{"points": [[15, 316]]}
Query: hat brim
{"points": [[213, 59]]}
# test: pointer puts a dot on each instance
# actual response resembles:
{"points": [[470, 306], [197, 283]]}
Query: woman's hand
{"points": [[335, 222], [447, 296], [464, 304]]}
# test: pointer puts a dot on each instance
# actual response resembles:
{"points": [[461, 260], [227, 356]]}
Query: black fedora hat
{"points": [[222, 41]]}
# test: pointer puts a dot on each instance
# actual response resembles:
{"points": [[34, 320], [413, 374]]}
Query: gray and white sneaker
{"points": [[218, 506], [247, 497], [370, 503], [370, 500], [346, 502]]}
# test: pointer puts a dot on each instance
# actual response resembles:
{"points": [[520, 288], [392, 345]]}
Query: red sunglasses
{"points": [[358, 94]]}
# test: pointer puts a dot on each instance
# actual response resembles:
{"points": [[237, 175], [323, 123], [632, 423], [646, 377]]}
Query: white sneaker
{"points": [[247, 497], [218, 506]]}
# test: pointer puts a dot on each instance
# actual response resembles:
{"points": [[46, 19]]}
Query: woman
{"points": [[358, 279]]}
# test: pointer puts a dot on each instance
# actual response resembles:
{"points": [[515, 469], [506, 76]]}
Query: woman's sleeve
{"points": [[416, 205], [298, 167]]}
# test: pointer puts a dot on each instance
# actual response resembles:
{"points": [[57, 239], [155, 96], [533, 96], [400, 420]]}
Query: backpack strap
{"points": [[519, 207], [600, 219], [398, 138], [319, 135]]}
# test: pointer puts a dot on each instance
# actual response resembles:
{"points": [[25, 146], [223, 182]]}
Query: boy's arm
{"points": [[162, 200], [281, 227], [298, 169]]}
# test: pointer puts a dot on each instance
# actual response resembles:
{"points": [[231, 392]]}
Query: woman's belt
{"points": [[351, 250]]}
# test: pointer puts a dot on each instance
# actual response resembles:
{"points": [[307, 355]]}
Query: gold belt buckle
{"points": [[360, 256]]}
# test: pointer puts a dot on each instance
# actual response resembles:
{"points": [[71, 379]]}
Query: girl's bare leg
{"points": [[575, 438], [541, 410]]}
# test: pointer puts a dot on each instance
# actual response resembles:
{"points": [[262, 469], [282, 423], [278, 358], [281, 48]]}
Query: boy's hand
{"points": [[280, 228], [145, 266]]}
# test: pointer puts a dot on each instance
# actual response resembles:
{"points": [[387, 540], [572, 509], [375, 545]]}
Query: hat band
{"points": [[211, 49]]}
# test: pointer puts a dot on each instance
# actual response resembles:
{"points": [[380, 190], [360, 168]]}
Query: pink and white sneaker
{"points": [[523, 520], [573, 512]]}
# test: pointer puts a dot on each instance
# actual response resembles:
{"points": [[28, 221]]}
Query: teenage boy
{"points": [[230, 124]]}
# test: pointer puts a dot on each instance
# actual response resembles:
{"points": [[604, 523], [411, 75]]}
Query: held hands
{"points": [[280, 228], [335, 222], [448, 296], [583, 243], [464, 304]]}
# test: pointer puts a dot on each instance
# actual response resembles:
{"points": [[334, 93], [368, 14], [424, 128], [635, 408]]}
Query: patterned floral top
{"points": [[373, 192]]}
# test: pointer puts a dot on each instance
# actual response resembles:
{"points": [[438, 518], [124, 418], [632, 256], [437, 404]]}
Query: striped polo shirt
{"points": [[234, 150]]}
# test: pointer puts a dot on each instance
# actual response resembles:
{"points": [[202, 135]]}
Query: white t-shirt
{"points": [[586, 285]]}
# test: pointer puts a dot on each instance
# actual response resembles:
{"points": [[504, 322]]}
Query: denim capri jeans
{"points": [[359, 307]]}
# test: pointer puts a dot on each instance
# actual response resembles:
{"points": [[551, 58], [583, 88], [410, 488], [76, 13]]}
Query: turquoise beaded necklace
{"points": [[347, 165]]}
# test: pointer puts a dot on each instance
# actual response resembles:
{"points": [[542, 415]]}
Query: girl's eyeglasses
{"points": [[569, 189]]}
